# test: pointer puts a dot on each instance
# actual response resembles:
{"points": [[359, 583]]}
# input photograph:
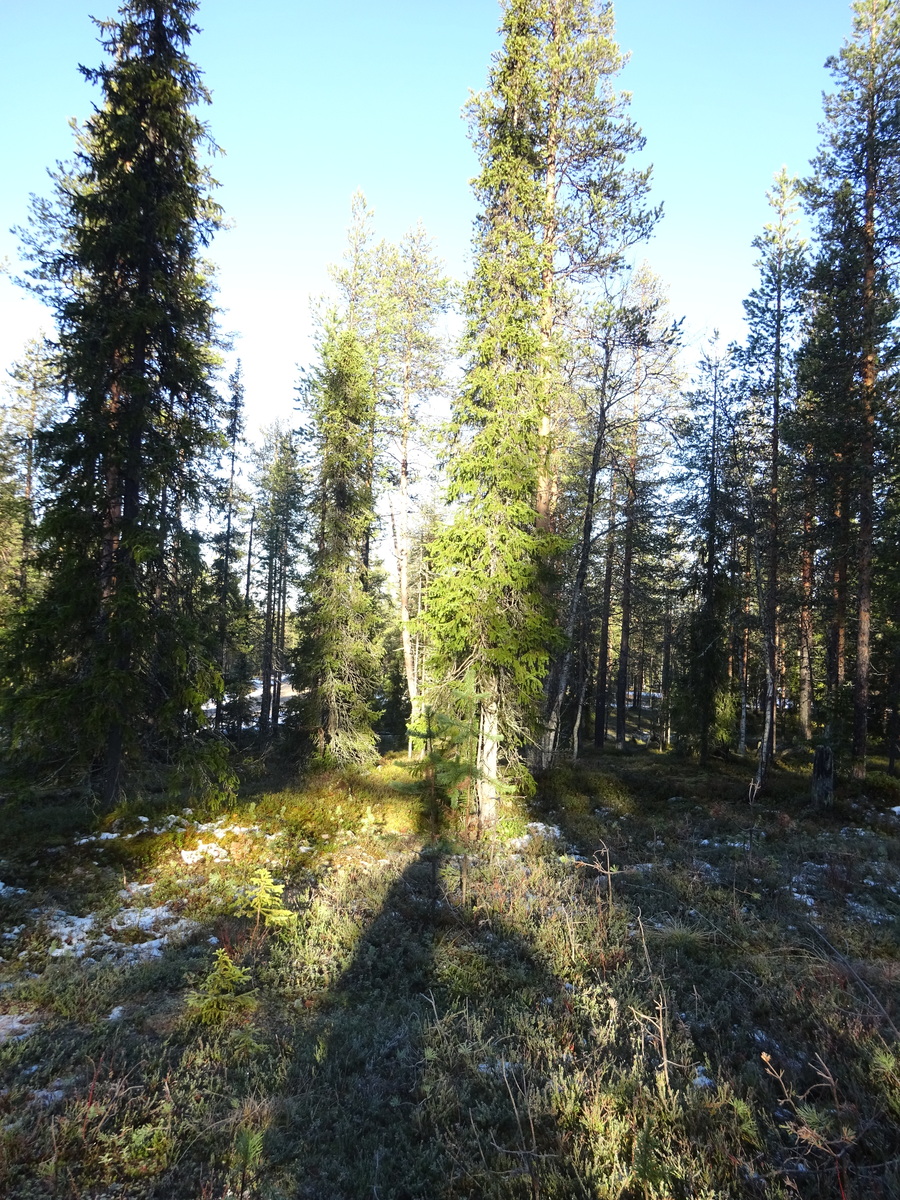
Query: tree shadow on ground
{"points": [[415, 1074]]}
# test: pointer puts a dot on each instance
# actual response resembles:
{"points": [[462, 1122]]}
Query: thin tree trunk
{"points": [[806, 617], [624, 641], [265, 706], [559, 679], [601, 698], [745, 663], [249, 556], [665, 685], [223, 589], [866, 528], [707, 699], [771, 608]]}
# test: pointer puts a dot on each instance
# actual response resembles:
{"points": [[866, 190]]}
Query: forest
{"points": [[483, 782]]}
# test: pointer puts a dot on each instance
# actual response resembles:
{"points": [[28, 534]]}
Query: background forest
{"points": [[508, 528], [593, 526]]}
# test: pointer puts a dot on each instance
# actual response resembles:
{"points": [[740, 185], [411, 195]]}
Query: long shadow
{"points": [[411, 1079]]}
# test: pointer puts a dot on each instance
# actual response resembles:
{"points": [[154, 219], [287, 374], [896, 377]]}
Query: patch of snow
{"points": [[536, 829], [134, 889], [708, 872], [6, 890], [91, 938], [117, 1013], [802, 898], [204, 850], [16, 1026], [866, 912], [701, 1079], [72, 932]]}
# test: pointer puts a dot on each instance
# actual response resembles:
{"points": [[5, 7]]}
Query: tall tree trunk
{"points": [[866, 529], [665, 685], [547, 487], [707, 699], [745, 664], [559, 679], [488, 760], [265, 706], [601, 697], [249, 556], [624, 641], [838, 633], [401, 549], [771, 617], [806, 610], [223, 587]]}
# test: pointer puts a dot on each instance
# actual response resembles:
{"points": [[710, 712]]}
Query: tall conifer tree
{"points": [[340, 663], [858, 173], [109, 662], [557, 206]]}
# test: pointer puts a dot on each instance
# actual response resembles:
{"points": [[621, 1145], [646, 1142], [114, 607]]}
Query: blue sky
{"points": [[312, 102]]}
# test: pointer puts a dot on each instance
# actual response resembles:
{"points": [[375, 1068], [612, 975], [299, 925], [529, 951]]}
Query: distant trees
{"points": [[33, 399]]}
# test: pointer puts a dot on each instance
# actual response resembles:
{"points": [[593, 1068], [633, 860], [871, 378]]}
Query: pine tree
{"points": [[110, 662], [858, 170], [773, 309]]}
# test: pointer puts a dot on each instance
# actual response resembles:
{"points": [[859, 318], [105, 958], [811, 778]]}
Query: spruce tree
{"points": [[280, 517], [339, 664], [557, 207], [109, 664]]}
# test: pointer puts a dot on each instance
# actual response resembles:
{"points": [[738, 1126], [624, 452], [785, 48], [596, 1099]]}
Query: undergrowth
{"points": [[678, 998]]}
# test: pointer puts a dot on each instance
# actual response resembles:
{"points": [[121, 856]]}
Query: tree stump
{"points": [[823, 777]]}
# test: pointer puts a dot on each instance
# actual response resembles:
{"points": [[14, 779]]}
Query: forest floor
{"points": [[637, 987]]}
